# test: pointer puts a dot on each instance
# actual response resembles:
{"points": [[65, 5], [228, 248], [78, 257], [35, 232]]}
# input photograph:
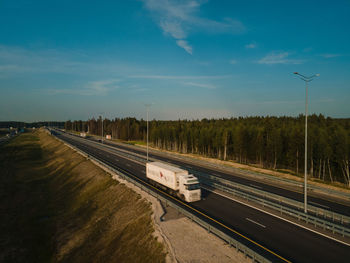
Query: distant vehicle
{"points": [[174, 180], [108, 137], [83, 134]]}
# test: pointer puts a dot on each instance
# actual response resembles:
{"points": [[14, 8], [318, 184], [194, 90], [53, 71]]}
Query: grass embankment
{"points": [[3, 132], [58, 207]]}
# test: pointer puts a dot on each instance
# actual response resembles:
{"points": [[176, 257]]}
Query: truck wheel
{"points": [[182, 197]]}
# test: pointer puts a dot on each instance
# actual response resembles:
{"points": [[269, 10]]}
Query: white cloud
{"points": [[251, 46], [200, 85], [177, 18], [173, 28], [184, 44], [233, 61], [279, 58], [330, 55]]}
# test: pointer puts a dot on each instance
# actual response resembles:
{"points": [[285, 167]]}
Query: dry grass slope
{"points": [[58, 207]]}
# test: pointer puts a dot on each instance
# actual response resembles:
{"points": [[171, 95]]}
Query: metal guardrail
{"points": [[211, 229], [309, 219], [318, 212], [244, 172], [274, 201]]}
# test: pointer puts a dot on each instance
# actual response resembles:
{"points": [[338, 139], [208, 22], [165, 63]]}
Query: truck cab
{"points": [[189, 187]]}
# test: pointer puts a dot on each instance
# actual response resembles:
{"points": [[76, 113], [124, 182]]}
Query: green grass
{"points": [[59, 207], [135, 142]]}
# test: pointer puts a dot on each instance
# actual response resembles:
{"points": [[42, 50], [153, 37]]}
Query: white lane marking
{"points": [[128, 165], [310, 202], [251, 220], [281, 218], [117, 160], [217, 175], [253, 185], [143, 172]]}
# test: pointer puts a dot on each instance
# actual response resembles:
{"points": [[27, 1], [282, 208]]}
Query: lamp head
{"points": [[296, 73]]}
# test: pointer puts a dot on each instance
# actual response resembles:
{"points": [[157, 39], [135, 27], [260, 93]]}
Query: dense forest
{"points": [[269, 142]]}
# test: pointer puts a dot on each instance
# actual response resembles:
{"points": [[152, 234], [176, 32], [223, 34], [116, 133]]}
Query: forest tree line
{"points": [[268, 142]]}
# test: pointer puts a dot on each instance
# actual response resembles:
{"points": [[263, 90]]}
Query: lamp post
{"points": [[147, 108], [307, 80], [102, 127]]}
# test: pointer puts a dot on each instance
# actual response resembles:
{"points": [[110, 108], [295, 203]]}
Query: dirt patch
{"points": [[199, 246]]}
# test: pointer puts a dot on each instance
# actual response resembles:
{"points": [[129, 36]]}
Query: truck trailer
{"points": [[175, 180]]}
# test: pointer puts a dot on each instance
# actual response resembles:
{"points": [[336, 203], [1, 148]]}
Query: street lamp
{"points": [[102, 127], [147, 108], [307, 80]]}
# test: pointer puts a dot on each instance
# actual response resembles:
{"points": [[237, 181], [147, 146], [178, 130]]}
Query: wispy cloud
{"points": [[93, 88], [330, 55], [178, 18], [284, 102], [279, 58], [251, 46], [8, 67], [200, 85], [180, 77], [184, 44], [14, 60]]}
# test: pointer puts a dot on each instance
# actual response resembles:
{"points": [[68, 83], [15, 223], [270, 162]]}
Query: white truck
{"points": [[177, 181]]}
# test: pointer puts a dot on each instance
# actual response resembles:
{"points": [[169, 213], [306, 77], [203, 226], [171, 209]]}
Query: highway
{"points": [[270, 236], [192, 167]]}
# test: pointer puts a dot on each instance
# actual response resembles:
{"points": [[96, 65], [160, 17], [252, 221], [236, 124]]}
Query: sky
{"points": [[62, 60]]}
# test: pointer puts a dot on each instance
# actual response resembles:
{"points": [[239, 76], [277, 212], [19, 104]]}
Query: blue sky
{"points": [[63, 60]]}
